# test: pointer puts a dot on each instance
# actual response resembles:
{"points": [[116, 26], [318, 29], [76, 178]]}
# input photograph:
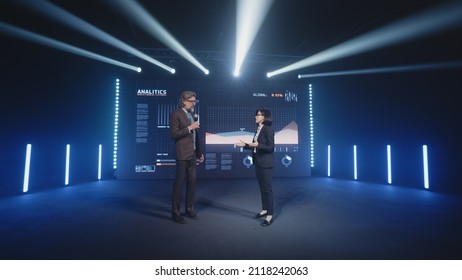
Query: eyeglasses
{"points": [[193, 101]]}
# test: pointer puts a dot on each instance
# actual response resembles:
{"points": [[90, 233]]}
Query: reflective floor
{"points": [[315, 218]]}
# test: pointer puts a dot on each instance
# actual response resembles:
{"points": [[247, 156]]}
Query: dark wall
{"points": [[50, 98], [50, 101], [404, 110]]}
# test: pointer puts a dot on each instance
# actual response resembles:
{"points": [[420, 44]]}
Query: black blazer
{"points": [[184, 142], [264, 156]]}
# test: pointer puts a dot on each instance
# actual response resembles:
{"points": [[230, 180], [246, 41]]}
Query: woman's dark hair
{"points": [[267, 115]]}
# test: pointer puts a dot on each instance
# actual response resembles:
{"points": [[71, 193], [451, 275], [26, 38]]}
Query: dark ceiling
{"points": [[292, 28]]}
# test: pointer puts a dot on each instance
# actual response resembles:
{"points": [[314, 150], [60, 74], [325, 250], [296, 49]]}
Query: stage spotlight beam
{"points": [[421, 25], [392, 69], [80, 25], [36, 38], [136, 12], [250, 16]]}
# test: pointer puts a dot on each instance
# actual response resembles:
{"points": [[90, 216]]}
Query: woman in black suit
{"points": [[262, 148]]}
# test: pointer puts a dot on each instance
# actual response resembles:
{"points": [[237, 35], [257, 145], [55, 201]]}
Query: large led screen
{"points": [[226, 113]]}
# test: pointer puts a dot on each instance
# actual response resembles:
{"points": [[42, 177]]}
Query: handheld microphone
{"points": [[196, 117]]}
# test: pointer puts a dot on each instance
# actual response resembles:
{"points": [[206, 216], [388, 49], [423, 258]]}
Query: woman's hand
{"points": [[240, 143], [253, 144]]}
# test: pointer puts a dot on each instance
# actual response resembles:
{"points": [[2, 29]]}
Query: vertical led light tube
{"points": [[116, 125], [25, 186], [100, 153], [328, 160], [310, 90], [355, 163], [68, 154], [425, 166], [389, 163]]}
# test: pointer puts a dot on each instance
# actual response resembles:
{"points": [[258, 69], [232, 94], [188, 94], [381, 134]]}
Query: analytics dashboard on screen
{"points": [[226, 113]]}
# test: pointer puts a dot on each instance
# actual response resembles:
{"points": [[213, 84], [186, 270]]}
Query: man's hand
{"points": [[194, 125]]}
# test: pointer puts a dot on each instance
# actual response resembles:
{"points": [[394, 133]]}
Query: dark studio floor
{"points": [[316, 218]]}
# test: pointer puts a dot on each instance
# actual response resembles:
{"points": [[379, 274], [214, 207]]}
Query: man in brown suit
{"points": [[184, 131]]}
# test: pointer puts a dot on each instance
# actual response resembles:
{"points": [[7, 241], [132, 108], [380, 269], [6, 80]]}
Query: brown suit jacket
{"points": [[184, 141]]}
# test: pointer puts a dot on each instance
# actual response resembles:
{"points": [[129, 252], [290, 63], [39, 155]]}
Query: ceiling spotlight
{"points": [[417, 26], [135, 11], [249, 18], [39, 39], [63, 16]]}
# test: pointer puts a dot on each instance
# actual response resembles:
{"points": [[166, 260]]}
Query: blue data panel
{"points": [[226, 114]]}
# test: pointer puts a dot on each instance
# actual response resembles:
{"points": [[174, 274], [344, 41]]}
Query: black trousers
{"points": [[185, 170], [265, 181]]}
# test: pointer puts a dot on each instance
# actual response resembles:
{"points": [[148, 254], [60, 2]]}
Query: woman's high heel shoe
{"points": [[266, 223], [258, 215]]}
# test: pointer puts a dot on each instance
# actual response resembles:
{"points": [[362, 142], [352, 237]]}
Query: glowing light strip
{"points": [[328, 160], [250, 16], [68, 154], [310, 89], [39, 39], [100, 152], [389, 163], [406, 68], [25, 186], [137, 13], [116, 125], [417, 26], [425, 166], [355, 163], [80, 25]]}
